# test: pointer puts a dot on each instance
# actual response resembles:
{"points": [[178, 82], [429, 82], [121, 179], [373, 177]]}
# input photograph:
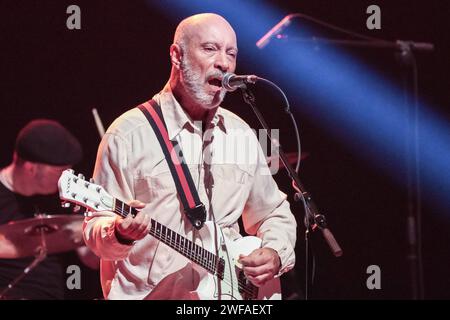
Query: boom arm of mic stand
{"points": [[311, 212], [378, 44]]}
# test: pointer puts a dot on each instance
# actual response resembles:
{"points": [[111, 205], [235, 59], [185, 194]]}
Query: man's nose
{"points": [[222, 62]]}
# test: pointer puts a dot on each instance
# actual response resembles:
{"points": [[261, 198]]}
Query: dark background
{"points": [[120, 58]]}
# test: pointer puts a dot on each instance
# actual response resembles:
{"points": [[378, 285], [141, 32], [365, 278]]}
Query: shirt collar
{"points": [[177, 119]]}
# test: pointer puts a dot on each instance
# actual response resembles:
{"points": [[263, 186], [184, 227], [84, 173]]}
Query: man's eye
{"points": [[209, 49]]}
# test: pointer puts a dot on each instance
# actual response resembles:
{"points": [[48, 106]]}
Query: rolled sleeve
{"points": [[99, 235]]}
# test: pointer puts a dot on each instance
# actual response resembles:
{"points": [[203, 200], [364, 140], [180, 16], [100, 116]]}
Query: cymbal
{"points": [[23, 238]]}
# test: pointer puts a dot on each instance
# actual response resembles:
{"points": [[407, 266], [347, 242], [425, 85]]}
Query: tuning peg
{"points": [[91, 180], [73, 194], [70, 171], [81, 176]]}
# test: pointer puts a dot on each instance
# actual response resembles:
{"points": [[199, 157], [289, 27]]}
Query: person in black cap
{"points": [[43, 150]]}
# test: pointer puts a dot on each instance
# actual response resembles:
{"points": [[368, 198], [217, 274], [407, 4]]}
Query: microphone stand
{"points": [[313, 219], [406, 56]]}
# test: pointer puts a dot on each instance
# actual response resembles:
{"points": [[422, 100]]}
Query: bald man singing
{"points": [[132, 167]]}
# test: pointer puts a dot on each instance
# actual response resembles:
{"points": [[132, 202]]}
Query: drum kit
{"points": [[38, 237]]}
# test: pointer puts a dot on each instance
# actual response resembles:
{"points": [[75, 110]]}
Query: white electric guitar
{"points": [[220, 273]]}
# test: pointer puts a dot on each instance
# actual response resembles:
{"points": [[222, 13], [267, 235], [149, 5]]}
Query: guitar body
{"points": [[233, 286]]}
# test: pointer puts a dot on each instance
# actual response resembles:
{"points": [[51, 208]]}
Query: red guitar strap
{"points": [[193, 207]]}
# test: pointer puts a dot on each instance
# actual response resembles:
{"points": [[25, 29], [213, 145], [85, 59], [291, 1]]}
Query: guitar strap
{"points": [[193, 207]]}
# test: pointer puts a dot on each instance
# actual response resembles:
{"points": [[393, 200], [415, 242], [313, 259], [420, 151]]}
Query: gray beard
{"points": [[194, 85]]}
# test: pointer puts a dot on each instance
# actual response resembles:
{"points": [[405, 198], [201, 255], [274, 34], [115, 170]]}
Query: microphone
{"points": [[231, 82]]}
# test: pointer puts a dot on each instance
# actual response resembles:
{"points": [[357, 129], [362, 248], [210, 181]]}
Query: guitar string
{"points": [[248, 289], [184, 250], [209, 266]]}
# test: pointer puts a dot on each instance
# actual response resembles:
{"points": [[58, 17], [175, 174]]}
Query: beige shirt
{"points": [[231, 181]]}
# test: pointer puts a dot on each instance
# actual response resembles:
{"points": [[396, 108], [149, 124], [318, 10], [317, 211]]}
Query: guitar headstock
{"points": [[75, 189]]}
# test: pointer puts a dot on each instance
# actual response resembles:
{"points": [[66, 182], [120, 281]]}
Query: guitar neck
{"points": [[208, 260]]}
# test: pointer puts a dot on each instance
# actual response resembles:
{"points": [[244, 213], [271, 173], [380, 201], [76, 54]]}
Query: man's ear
{"points": [[176, 54], [31, 168]]}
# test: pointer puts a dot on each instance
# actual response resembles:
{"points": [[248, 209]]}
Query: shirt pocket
{"points": [[162, 181], [231, 188], [158, 179], [240, 174]]}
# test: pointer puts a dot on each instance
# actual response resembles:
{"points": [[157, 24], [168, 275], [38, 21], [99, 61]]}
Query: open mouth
{"points": [[215, 82]]}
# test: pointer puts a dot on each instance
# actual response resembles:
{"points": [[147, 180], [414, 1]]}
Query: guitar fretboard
{"points": [[208, 260]]}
